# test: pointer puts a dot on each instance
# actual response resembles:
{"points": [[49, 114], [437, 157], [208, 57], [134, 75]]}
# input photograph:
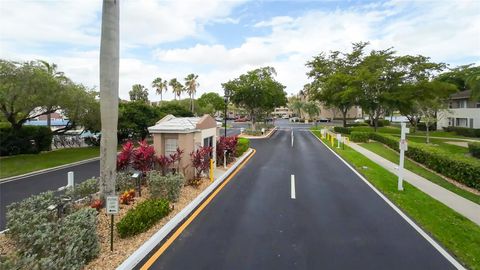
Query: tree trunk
{"points": [[344, 116], [49, 121], [428, 138], [109, 68]]}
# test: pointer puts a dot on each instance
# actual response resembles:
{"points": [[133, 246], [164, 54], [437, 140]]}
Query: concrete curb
{"points": [[260, 137], [18, 177], [147, 247]]}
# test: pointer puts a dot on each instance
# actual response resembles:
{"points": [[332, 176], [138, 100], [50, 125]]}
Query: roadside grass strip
{"points": [[21, 164], [393, 156], [457, 234]]}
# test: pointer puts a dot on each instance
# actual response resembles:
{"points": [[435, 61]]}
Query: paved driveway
{"points": [[333, 220]]}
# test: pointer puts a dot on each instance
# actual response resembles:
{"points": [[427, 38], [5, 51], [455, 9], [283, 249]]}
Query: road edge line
{"points": [[56, 168], [427, 237], [181, 219]]}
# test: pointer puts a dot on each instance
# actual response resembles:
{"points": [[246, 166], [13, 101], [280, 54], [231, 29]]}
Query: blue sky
{"points": [[219, 40]]}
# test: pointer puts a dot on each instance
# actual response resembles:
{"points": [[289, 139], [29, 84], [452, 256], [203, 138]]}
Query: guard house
{"points": [[187, 133]]}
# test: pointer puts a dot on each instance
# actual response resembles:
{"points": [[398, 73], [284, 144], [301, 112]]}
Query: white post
{"points": [[224, 159], [339, 138], [71, 182], [403, 148]]}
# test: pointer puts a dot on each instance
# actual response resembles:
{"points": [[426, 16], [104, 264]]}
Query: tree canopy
{"points": [[257, 91], [138, 93], [211, 103]]}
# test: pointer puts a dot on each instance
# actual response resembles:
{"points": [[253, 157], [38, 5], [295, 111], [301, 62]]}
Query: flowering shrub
{"points": [[163, 163], [97, 204], [229, 144], [175, 160], [127, 196], [201, 162], [124, 159], [143, 157]]}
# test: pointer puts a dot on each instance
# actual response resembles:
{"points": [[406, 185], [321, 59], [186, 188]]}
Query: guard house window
{"points": [[170, 146], [477, 105]]}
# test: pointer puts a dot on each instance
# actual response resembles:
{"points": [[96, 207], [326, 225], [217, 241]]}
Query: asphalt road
{"points": [[15, 191], [335, 221]]}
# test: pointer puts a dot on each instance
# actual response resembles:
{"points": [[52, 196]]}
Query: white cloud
{"points": [[275, 21]]}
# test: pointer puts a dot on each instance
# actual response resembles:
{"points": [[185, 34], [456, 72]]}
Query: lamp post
{"points": [[225, 98]]}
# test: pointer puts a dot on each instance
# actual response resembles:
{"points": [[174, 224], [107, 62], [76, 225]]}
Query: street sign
{"points": [[112, 205]]}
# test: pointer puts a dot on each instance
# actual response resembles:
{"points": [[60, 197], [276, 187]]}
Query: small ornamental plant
{"points": [[201, 162], [124, 159], [127, 196], [143, 157], [97, 204]]}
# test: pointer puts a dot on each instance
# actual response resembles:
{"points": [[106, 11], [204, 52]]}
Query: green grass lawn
{"points": [[443, 134], [440, 143], [393, 156], [453, 231], [20, 164]]}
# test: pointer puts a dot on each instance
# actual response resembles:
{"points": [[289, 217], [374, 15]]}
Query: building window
{"points": [[461, 122], [477, 105], [170, 146], [462, 103], [450, 105], [450, 122]]}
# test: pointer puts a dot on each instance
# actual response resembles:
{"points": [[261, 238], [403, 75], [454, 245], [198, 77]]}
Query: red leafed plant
{"points": [[143, 157], [127, 196], [228, 143], [201, 162], [164, 163], [97, 204], [175, 159], [124, 159]]}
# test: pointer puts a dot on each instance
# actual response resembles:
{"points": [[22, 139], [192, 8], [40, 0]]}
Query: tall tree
{"points": [[139, 93], [109, 72], [312, 109], [177, 88], [257, 91], [160, 86], [296, 105], [211, 103], [335, 81], [191, 85], [51, 69]]}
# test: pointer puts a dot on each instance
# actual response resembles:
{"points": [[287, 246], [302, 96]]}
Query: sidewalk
{"points": [[461, 205]]}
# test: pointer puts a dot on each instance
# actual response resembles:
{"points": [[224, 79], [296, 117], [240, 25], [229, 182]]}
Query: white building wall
{"points": [[468, 113]]}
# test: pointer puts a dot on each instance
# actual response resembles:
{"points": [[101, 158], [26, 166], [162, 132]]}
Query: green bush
{"points": [[84, 189], [458, 167], [342, 130], [474, 149], [124, 182], [44, 241], [166, 187], [357, 136], [142, 217], [361, 124], [26, 140], [423, 127], [467, 132], [380, 122], [242, 145]]}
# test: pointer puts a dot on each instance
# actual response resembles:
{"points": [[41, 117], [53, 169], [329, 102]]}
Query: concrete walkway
{"points": [[461, 205]]}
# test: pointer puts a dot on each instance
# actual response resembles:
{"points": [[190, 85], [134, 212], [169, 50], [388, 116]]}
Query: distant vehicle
{"points": [[219, 119], [359, 121], [285, 116], [241, 119], [324, 120], [294, 119]]}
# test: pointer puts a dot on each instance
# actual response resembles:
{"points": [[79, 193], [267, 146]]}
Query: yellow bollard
{"points": [[211, 170], [333, 140]]}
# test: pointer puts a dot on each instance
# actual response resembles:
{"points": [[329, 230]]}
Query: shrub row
{"points": [[474, 149], [348, 130], [467, 132], [423, 127], [26, 140], [242, 145], [142, 217], [381, 122], [358, 136], [167, 187], [44, 241], [462, 169], [343, 130], [84, 189]]}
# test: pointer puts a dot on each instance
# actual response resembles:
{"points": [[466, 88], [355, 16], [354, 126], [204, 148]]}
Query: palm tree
{"points": [[109, 68], [191, 85], [177, 88], [160, 85], [296, 105]]}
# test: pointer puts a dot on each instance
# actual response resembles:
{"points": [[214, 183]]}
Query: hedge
{"points": [[242, 145], [474, 149], [343, 130], [467, 132], [460, 168], [14, 142], [143, 217], [357, 136]]}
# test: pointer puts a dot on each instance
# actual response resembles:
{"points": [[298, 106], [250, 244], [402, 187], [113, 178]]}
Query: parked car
{"points": [[285, 116], [359, 121], [241, 119], [294, 119], [324, 120]]}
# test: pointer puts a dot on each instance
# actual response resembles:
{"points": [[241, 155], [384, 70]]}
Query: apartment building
{"points": [[461, 112]]}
